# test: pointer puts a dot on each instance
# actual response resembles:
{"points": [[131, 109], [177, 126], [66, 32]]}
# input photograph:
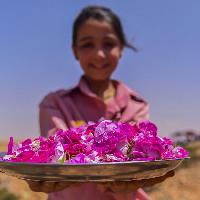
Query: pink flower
{"points": [[10, 146], [104, 141]]}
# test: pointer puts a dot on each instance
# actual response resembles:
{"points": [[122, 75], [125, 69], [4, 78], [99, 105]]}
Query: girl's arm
{"points": [[48, 187], [142, 114], [50, 118]]}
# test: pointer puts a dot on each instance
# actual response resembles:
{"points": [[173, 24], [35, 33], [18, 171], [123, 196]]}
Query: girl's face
{"points": [[98, 49]]}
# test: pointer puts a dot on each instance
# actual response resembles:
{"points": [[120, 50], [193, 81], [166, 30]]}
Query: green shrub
{"points": [[5, 195]]}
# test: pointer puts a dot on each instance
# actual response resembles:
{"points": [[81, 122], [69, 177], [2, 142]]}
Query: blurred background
{"points": [[36, 58]]}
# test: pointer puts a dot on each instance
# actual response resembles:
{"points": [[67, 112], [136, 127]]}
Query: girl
{"points": [[98, 43]]}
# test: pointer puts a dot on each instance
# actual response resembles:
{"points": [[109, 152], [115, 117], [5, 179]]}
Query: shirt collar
{"points": [[122, 91], [84, 88]]}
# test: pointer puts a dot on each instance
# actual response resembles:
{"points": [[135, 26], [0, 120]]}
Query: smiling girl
{"points": [[97, 42]]}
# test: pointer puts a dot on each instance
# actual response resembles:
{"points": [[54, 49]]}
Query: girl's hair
{"points": [[100, 13]]}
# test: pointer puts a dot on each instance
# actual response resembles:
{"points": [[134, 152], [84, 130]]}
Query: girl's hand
{"points": [[48, 187], [131, 186], [117, 186]]}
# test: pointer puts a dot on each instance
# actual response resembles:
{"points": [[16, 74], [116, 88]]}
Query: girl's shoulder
{"points": [[52, 97]]}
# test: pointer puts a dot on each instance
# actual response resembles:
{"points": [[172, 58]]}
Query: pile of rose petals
{"points": [[104, 141]]}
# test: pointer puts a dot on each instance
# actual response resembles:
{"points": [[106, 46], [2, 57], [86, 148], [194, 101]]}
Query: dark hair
{"points": [[100, 13]]}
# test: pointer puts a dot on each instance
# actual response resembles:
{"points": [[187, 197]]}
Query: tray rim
{"points": [[9, 166], [91, 164]]}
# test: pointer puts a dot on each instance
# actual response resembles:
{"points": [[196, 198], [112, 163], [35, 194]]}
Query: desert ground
{"points": [[183, 186]]}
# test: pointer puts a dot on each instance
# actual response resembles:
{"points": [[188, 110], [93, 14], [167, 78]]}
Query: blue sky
{"points": [[36, 58]]}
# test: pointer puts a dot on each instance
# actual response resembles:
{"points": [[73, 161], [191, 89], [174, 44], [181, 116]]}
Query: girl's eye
{"points": [[109, 44], [86, 46]]}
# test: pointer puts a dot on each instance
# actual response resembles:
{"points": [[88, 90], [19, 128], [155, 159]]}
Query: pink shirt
{"points": [[62, 108]]}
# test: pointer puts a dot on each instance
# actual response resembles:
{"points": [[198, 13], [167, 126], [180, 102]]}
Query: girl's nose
{"points": [[100, 53]]}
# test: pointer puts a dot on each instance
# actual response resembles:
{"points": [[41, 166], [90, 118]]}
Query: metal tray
{"points": [[101, 172]]}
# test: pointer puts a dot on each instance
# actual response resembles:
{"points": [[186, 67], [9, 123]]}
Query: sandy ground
{"points": [[183, 186]]}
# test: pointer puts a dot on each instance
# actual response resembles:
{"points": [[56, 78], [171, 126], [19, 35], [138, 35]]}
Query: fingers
{"points": [[117, 186], [130, 186], [153, 181], [62, 185], [41, 186], [170, 174], [48, 187], [35, 186], [123, 186]]}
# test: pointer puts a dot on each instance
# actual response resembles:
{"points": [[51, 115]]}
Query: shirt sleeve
{"points": [[142, 111], [137, 109], [50, 117]]}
